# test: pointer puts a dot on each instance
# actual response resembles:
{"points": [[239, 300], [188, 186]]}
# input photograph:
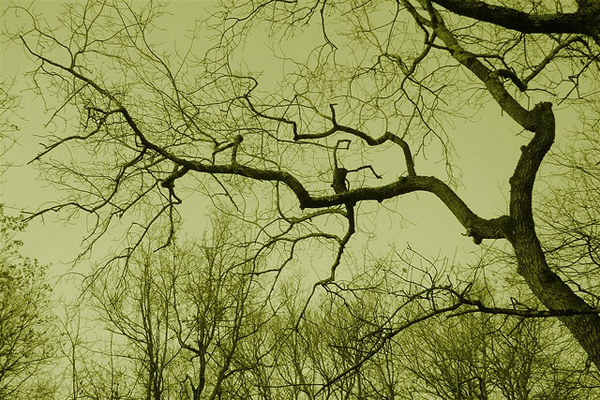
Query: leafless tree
{"points": [[189, 319], [346, 349], [302, 154], [486, 357]]}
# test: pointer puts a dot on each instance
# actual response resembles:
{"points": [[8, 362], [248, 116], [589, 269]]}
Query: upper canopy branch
{"points": [[476, 227], [490, 77], [370, 140], [584, 20]]}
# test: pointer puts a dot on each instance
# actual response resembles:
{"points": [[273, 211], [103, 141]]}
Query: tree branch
{"points": [[578, 22], [488, 76]]}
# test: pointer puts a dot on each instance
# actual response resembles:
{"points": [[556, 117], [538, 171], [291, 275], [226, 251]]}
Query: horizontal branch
{"points": [[370, 140], [477, 227], [525, 313], [581, 21]]}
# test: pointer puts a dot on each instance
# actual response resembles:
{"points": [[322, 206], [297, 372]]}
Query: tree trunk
{"points": [[549, 288]]}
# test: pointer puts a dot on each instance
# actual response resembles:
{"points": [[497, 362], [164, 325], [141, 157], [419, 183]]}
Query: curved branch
{"points": [[477, 227], [486, 75], [552, 291], [548, 287]]}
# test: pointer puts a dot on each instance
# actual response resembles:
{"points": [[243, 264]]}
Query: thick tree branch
{"points": [[483, 309], [550, 289], [488, 76], [585, 20], [477, 227]]}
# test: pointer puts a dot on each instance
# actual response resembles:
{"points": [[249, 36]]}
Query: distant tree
{"points": [[94, 369], [188, 321], [26, 330], [301, 150], [135, 307]]}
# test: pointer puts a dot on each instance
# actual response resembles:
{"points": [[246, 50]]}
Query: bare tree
{"points": [[344, 350], [135, 306], [94, 367], [190, 320], [303, 157]]}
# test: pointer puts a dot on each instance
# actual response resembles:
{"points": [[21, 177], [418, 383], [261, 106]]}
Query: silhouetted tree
{"points": [[355, 98]]}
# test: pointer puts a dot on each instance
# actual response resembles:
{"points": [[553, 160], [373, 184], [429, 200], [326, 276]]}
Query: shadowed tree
{"points": [[337, 122]]}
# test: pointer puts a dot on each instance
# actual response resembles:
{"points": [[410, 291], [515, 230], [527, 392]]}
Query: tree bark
{"points": [[583, 21]]}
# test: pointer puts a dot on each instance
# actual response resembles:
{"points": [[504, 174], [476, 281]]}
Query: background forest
{"points": [[300, 199]]}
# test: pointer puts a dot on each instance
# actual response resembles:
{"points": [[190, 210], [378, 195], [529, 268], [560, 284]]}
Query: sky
{"points": [[52, 240], [486, 147]]}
